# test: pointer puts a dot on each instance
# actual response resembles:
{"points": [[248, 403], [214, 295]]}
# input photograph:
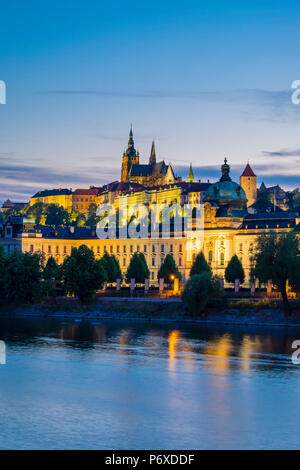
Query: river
{"points": [[110, 385]]}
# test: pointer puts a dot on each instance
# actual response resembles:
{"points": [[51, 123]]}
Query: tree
{"points": [[263, 202], [200, 265], [137, 269], [146, 269], [81, 220], [52, 276], [56, 215], [297, 203], [83, 275], [199, 290], [112, 267], [3, 274], [294, 278], [234, 270], [276, 258], [35, 211], [24, 277], [168, 269], [92, 218]]}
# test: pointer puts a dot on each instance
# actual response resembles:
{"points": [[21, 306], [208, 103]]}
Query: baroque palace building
{"points": [[229, 226]]}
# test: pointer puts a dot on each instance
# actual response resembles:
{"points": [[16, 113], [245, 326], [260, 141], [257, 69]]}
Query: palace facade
{"points": [[229, 228]]}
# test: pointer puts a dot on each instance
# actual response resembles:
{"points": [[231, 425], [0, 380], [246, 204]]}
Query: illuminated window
{"points": [[222, 259]]}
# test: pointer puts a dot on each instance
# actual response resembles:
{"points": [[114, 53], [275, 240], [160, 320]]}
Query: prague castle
{"points": [[231, 224]]}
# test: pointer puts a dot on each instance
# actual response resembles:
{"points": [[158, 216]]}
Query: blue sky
{"points": [[205, 79]]}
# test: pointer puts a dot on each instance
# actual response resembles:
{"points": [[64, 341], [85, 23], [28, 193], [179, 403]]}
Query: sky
{"points": [[204, 79]]}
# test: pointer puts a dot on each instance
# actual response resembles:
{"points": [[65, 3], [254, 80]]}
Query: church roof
{"points": [[159, 168], [141, 170], [248, 171]]}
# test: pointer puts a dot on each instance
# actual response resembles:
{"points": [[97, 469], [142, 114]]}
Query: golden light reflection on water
{"points": [[248, 347], [218, 352], [178, 344], [68, 332], [173, 340], [123, 341]]}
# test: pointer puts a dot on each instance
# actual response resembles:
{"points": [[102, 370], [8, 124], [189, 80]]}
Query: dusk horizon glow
{"points": [[203, 80]]}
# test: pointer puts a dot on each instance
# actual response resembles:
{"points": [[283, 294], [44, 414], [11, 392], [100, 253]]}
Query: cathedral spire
{"points": [[191, 178], [152, 159], [130, 149]]}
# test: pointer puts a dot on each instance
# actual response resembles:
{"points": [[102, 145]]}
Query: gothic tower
{"points": [[248, 181], [130, 157]]}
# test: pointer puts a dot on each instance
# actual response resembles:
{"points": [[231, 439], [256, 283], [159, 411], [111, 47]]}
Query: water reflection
{"points": [[70, 384], [214, 349]]}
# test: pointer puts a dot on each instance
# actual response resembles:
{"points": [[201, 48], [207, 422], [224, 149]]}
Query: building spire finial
{"points": [[152, 158], [191, 178], [225, 169]]}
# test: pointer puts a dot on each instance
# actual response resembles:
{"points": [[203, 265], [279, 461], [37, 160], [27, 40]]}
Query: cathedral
{"points": [[152, 174]]}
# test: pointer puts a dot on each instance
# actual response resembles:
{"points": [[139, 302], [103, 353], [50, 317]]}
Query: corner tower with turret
{"points": [[248, 181]]}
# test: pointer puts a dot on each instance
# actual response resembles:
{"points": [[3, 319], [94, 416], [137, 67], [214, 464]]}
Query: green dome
{"points": [[227, 190], [227, 195]]}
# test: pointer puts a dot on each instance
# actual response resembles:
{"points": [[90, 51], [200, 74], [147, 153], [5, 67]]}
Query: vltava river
{"points": [[80, 385]]}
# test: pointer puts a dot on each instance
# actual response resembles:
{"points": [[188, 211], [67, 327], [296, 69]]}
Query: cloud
{"points": [[251, 104], [136, 94], [283, 153], [19, 181], [285, 176]]}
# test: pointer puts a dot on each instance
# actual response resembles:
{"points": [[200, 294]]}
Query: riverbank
{"points": [[235, 312]]}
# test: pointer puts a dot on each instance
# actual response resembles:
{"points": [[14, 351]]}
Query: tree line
{"points": [[275, 258], [26, 277]]}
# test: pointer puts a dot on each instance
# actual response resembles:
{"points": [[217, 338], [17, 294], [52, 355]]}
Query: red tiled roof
{"points": [[87, 192], [248, 171]]}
